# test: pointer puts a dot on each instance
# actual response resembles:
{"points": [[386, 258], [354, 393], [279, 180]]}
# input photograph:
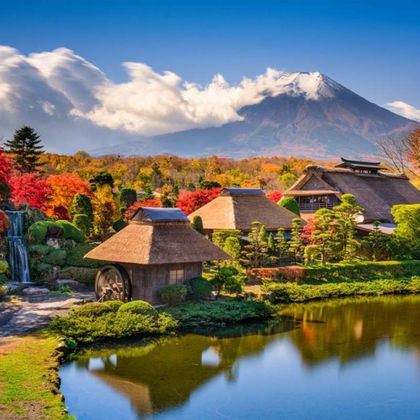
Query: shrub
{"points": [[4, 267], [219, 237], [290, 204], [229, 279], [293, 273], [4, 222], [114, 304], [3, 291], [39, 231], [112, 325], [39, 250], [200, 288], [290, 292], [82, 274], [56, 257], [119, 225], [174, 294], [81, 221], [218, 313], [82, 204], [197, 224], [128, 196], [138, 307], [75, 256], [91, 309], [71, 231]]}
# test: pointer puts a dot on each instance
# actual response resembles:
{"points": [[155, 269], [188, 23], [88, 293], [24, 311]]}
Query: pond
{"points": [[348, 359]]}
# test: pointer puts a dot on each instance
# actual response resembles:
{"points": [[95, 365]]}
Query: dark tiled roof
{"points": [[241, 191], [358, 164], [152, 214]]}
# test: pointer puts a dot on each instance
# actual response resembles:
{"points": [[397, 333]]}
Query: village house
{"points": [[158, 248], [375, 190], [238, 208]]}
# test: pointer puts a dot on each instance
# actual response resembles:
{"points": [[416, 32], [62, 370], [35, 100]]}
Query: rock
{"points": [[73, 284], [36, 291], [15, 286]]}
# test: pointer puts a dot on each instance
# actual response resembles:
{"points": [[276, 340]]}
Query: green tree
{"points": [[296, 244], [255, 252], [377, 244], [100, 179], [148, 193], [227, 278], [325, 240], [26, 149], [197, 224], [346, 213], [219, 236], [204, 184], [128, 197], [287, 180], [232, 246], [406, 236], [282, 246], [291, 204], [82, 204]]}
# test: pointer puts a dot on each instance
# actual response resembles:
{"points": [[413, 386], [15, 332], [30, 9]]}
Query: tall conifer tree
{"points": [[26, 149]]}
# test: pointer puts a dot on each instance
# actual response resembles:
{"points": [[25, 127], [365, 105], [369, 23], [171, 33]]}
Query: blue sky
{"points": [[372, 47]]}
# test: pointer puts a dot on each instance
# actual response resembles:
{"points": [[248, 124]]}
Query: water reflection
{"points": [[162, 375]]}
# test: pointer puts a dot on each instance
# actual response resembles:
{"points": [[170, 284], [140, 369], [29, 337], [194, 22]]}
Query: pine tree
{"points": [[26, 149], [296, 245], [282, 246], [255, 253]]}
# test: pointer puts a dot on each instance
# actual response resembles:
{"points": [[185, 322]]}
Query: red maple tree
{"points": [[190, 201], [29, 188], [275, 196]]}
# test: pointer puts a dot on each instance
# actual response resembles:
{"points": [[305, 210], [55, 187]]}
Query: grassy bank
{"points": [[100, 321], [29, 384], [291, 292]]}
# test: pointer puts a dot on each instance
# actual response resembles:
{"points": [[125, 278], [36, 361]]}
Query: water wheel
{"points": [[112, 283]]}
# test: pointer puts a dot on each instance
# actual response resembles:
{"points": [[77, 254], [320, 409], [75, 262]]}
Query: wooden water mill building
{"points": [[237, 208], [158, 247]]}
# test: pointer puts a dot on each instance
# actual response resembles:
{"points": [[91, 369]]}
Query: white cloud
{"points": [[74, 104], [404, 109]]}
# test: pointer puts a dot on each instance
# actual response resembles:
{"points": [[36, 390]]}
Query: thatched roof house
{"points": [[157, 248], [374, 190], [237, 208]]}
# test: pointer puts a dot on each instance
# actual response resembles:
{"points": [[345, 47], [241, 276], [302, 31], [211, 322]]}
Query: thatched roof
{"points": [[376, 193], [157, 236], [237, 208]]}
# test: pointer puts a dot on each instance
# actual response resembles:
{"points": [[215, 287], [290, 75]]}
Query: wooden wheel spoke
{"points": [[112, 283]]}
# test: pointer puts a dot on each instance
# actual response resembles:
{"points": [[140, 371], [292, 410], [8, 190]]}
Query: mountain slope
{"points": [[304, 114]]}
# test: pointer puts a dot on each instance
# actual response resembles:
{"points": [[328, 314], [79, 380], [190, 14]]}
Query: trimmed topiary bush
{"points": [[81, 221], [138, 307], [4, 267], [174, 294], [39, 231], [200, 288], [56, 257], [290, 203], [71, 231], [91, 309], [82, 204], [75, 257]]}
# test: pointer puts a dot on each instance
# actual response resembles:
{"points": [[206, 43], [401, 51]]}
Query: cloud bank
{"points": [[404, 109], [74, 105]]}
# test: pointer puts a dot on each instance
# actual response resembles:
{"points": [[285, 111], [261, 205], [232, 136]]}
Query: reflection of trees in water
{"points": [[349, 329], [164, 373]]}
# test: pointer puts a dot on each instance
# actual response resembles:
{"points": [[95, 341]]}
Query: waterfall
{"points": [[18, 257]]}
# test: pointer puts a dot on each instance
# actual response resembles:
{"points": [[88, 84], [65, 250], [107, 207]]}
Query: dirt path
{"points": [[20, 317]]}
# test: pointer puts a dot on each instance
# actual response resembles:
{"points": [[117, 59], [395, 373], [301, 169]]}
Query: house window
{"points": [[176, 276]]}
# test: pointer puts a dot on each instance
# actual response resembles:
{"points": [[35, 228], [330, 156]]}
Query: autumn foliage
{"points": [[153, 202], [190, 201], [275, 196], [31, 189]]}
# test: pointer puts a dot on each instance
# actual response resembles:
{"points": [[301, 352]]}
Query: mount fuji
{"points": [[303, 114]]}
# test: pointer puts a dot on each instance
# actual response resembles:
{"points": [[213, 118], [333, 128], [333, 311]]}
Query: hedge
{"points": [[291, 292], [337, 273]]}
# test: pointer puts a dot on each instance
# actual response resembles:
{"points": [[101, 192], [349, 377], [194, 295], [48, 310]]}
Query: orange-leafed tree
{"points": [[152, 202], [63, 188]]}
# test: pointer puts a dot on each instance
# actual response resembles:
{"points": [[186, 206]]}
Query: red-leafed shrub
{"points": [[190, 201], [6, 165], [275, 196], [153, 202], [60, 212], [29, 188], [292, 273]]}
